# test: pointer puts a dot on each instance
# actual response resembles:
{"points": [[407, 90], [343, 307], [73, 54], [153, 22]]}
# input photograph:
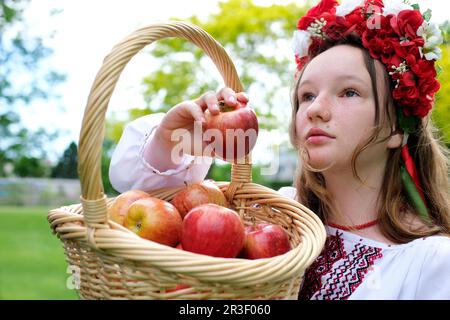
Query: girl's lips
{"points": [[318, 136], [318, 139]]}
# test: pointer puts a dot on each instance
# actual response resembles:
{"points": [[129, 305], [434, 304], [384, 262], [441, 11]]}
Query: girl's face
{"points": [[336, 112]]}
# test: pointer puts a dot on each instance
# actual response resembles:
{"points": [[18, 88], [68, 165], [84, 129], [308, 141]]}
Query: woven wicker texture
{"points": [[111, 262]]}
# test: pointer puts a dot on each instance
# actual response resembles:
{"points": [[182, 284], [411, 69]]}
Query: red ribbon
{"points": [[412, 170]]}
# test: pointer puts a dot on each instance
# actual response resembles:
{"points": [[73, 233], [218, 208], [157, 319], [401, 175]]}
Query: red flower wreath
{"points": [[394, 33]]}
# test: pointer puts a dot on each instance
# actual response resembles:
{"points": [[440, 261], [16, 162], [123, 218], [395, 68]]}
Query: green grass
{"points": [[32, 262]]}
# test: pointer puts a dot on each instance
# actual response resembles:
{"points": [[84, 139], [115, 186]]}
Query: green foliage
{"points": [[29, 167], [248, 32], [427, 15], [445, 27], [67, 164], [408, 124], [441, 109], [21, 56], [18, 144], [108, 148]]}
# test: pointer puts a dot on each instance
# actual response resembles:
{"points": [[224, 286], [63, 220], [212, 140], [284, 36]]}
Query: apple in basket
{"points": [[265, 240], [233, 132], [213, 230], [197, 194], [156, 220], [119, 208]]}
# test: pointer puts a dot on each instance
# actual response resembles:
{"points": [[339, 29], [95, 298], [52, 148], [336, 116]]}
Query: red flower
{"points": [[337, 29], [315, 46], [324, 9], [301, 62], [381, 42], [371, 6], [406, 80], [305, 22], [429, 86], [355, 21], [321, 7], [406, 23]]}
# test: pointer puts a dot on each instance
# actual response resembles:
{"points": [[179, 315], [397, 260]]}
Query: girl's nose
{"points": [[319, 110]]}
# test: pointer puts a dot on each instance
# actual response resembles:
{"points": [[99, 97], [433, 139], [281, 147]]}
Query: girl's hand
{"points": [[187, 114]]}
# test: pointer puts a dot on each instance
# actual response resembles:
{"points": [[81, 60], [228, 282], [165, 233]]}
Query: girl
{"points": [[370, 167]]}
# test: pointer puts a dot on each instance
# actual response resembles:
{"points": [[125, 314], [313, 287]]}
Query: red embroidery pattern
{"points": [[333, 251], [335, 275]]}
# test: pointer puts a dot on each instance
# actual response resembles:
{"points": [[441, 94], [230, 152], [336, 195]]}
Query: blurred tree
{"points": [[445, 27], [441, 109], [20, 59], [17, 142], [249, 33], [107, 150], [30, 167], [67, 165]]}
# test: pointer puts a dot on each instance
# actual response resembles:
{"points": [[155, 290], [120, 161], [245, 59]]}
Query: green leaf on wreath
{"points": [[438, 69], [427, 15], [409, 124]]}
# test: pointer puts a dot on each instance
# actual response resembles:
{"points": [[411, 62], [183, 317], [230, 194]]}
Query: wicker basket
{"points": [[114, 263]]}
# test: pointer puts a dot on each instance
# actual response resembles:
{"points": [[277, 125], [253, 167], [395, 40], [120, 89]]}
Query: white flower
{"points": [[432, 35], [395, 6], [434, 55], [301, 42], [348, 6]]}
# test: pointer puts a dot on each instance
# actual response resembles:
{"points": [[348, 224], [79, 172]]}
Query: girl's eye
{"points": [[307, 97], [350, 93]]}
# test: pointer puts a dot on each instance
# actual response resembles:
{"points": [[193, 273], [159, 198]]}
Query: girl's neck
{"points": [[357, 202]]}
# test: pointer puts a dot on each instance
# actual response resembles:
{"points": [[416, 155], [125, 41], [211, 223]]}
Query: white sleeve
{"points": [[130, 170], [434, 281], [289, 192]]}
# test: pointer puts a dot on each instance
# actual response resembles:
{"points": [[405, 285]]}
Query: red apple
{"points": [[265, 240], [119, 208], [156, 220], [233, 132], [213, 230], [197, 194]]}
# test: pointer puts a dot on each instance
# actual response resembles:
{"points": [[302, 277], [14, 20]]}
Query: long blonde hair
{"points": [[429, 154]]}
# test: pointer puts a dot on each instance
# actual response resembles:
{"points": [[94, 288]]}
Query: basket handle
{"points": [[92, 129]]}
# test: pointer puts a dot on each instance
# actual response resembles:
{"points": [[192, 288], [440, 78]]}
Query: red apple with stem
{"points": [[119, 208], [265, 240], [156, 220], [213, 230], [233, 132], [196, 194]]}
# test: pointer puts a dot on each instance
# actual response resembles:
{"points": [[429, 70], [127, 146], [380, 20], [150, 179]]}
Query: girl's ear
{"points": [[395, 140]]}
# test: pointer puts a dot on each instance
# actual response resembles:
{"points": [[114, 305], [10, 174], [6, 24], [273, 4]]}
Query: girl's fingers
{"points": [[212, 103], [209, 101], [242, 97], [228, 95], [195, 111]]}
